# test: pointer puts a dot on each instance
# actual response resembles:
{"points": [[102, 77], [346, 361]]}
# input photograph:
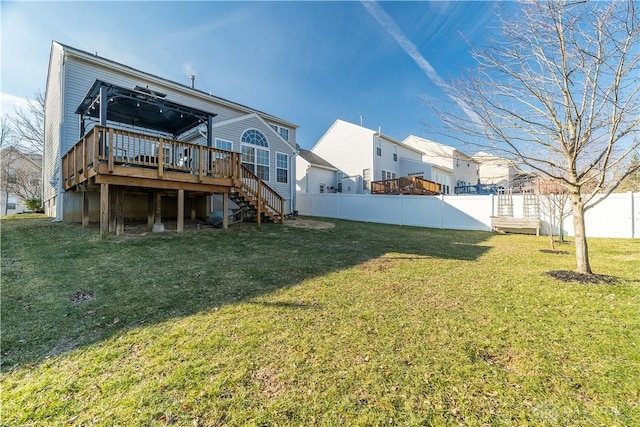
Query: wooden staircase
{"points": [[257, 199]]}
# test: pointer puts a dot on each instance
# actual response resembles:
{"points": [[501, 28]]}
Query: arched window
{"points": [[254, 137], [253, 158]]}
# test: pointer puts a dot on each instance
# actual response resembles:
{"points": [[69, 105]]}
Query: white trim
{"points": [[255, 155]]}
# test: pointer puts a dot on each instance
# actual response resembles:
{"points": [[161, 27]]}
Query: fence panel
{"points": [[616, 216]]}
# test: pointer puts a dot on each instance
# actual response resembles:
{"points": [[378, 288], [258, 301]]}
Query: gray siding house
{"points": [[114, 133]]}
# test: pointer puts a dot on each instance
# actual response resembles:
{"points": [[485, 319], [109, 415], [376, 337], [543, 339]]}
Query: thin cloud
{"points": [[398, 35], [9, 103], [394, 31]]}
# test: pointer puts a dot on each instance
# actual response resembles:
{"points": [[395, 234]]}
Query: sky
{"points": [[309, 63]]}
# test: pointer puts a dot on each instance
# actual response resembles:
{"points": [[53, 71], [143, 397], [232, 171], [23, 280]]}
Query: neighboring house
{"points": [[314, 174], [21, 179], [114, 133], [460, 169], [362, 155], [495, 170]]}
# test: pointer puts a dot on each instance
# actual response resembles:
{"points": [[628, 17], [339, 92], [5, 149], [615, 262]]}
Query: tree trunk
{"points": [[582, 250]]}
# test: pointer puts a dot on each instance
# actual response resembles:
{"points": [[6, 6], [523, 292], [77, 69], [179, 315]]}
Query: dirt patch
{"points": [[572, 276], [270, 385], [81, 296], [551, 251], [309, 224]]}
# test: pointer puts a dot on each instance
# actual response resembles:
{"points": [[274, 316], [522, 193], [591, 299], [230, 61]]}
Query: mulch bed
{"points": [[572, 276]]}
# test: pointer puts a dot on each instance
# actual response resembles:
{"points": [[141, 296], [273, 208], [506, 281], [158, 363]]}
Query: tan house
{"points": [[21, 180]]}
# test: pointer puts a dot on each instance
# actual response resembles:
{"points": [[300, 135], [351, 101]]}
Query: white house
{"points": [[314, 174], [495, 170], [364, 155], [458, 169], [173, 142]]}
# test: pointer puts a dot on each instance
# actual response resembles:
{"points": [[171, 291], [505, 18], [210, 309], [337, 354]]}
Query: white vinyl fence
{"points": [[616, 216]]}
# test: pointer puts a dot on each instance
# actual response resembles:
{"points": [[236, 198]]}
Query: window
{"points": [[254, 137], [253, 158], [322, 188], [224, 145], [12, 201], [378, 147], [388, 174], [12, 177], [282, 168], [284, 132], [395, 153], [366, 178]]}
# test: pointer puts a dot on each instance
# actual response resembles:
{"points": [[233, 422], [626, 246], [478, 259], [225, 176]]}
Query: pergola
{"points": [[142, 108]]}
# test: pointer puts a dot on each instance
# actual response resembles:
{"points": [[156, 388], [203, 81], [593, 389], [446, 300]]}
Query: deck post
{"points": [[85, 209], [104, 211], [225, 210], [150, 210], [119, 208], [112, 209], [158, 226], [180, 219]]}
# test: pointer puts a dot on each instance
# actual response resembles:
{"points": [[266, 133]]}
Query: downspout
{"points": [[292, 168]]}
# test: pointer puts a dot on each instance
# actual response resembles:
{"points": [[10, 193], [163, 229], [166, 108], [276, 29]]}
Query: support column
{"points": [[85, 209], [225, 210], [104, 211], [150, 210], [119, 208], [112, 209], [158, 226], [180, 220]]}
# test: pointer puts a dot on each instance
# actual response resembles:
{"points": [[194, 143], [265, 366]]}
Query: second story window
{"points": [[284, 132], [395, 153], [378, 147]]}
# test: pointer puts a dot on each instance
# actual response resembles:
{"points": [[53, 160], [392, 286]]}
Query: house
{"points": [[496, 170], [21, 179], [459, 170], [121, 143], [364, 156], [314, 174]]}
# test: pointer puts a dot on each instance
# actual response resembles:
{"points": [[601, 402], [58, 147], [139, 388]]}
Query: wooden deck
{"points": [[113, 157], [405, 185]]}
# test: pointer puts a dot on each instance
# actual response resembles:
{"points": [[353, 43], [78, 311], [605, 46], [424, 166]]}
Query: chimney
{"points": [[193, 81]]}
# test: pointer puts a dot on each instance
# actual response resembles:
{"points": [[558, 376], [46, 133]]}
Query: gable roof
{"points": [[315, 160], [178, 86]]}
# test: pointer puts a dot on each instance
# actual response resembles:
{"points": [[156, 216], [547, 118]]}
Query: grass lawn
{"points": [[356, 324]]}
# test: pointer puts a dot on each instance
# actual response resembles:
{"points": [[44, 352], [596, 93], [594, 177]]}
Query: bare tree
{"points": [[558, 94], [28, 125], [6, 132], [554, 200]]}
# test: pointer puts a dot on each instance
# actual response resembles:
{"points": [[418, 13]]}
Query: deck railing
{"points": [[261, 194], [118, 147], [405, 185]]}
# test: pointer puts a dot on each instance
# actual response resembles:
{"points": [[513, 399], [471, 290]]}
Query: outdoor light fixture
{"points": [[138, 105]]}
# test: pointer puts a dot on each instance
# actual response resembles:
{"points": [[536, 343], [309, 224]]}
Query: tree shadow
{"points": [[64, 288]]}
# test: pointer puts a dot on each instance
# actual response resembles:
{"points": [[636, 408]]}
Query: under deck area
{"points": [[121, 165]]}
